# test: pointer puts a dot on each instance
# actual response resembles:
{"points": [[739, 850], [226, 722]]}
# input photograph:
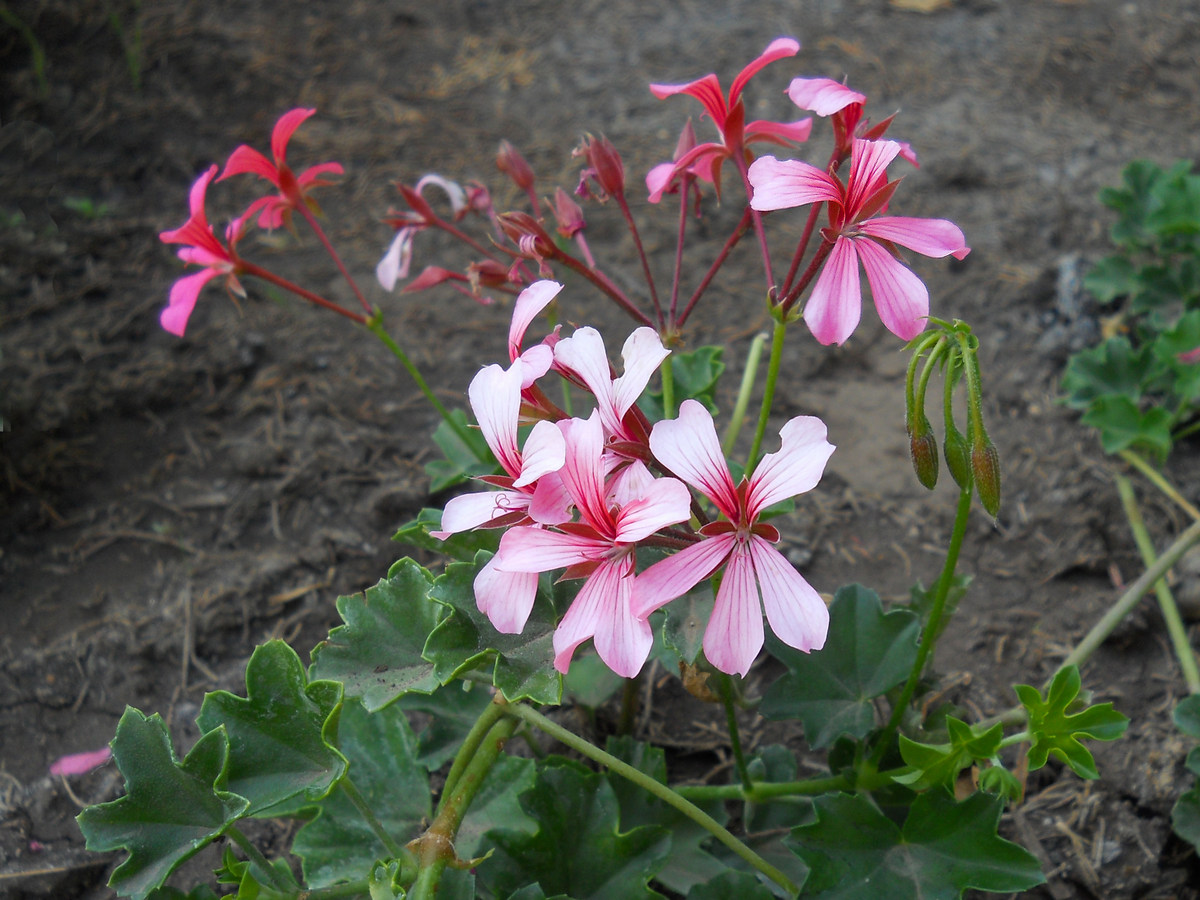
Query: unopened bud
{"points": [[568, 214], [958, 456], [922, 447], [513, 164], [604, 164], [985, 463]]}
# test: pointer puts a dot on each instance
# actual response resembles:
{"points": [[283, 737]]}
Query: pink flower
{"points": [[398, 258], [729, 115], [601, 547], [203, 249], [688, 447], [293, 189], [80, 763], [844, 107], [858, 234]]}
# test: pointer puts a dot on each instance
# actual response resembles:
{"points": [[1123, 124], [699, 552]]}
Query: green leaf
{"points": [[866, 654], [1056, 730], [451, 710], [1185, 817], [689, 863], [1112, 277], [281, 736], [1183, 337], [687, 618], [170, 809], [939, 764], [589, 682], [944, 848], [522, 664], [1123, 425], [696, 375], [253, 882], [339, 845], [731, 886], [578, 849], [462, 547], [377, 653], [462, 460], [1113, 368], [921, 601], [497, 805]]}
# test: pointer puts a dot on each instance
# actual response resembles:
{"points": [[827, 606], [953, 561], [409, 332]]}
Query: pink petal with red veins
{"points": [[246, 159], [396, 261], [284, 128], [793, 469], [779, 48], [601, 610], [506, 598], [544, 452], [784, 184], [529, 303], [551, 504], [196, 229], [735, 630], [835, 305], [183, 300], [531, 549], [679, 573], [667, 502], [795, 611], [80, 763], [495, 396], [642, 354], [631, 482], [779, 132], [824, 96], [688, 447], [929, 237], [868, 171], [707, 90], [901, 298], [467, 511], [582, 474], [309, 177]]}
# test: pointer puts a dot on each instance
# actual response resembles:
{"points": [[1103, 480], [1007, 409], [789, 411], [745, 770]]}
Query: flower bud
{"points": [[922, 447], [513, 164], [604, 165], [958, 456], [568, 214], [985, 463]]}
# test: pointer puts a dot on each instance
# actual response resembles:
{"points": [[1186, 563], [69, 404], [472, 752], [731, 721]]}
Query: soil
{"points": [[168, 504]]}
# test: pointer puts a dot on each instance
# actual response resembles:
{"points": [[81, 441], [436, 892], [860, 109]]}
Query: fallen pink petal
{"points": [[80, 763]]}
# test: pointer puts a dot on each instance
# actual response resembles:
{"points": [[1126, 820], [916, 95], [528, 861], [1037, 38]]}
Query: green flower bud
{"points": [[985, 463], [922, 447], [958, 456]]}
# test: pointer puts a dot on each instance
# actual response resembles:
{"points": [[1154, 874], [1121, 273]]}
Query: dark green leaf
{"points": [[281, 736], [731, 886], [577, 849], [857, 853], [687, 618], [377, 653], [1111, 278], [1185, 817], [522, 664], [339, 845], [463, 460], [451, 710], [1183, 337], [1113, 368], [497, 805], [462, 547], [934, 765], [1123, 425], [170, 809], [1056, 730], [866, 654], [696, 374], [589, 682]]}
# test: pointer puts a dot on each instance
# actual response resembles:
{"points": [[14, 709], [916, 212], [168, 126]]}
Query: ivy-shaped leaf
{"points": [[339, 845], [1113, 368], [1056, 730], [931, 765], [281, 735], [855, 852], [1183, 337], [866, 654], [731, 886], [523, 665], [497, 805], [462, 460], [170, 809], [1122, 424], [578, 849], [451, 710], [696, 373], [377, 653], [462, 546]]}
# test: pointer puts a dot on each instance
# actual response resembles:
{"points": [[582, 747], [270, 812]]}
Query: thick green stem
{"points": [[285, 884], [764, 412], [364, 808], [725, 686], [931, 630], [744, 391], [656, 788], [1166, 602], [668, 388], [466, 750]]}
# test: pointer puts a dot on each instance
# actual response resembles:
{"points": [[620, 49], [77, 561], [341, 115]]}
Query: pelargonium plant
{"points": [[599, 521]]}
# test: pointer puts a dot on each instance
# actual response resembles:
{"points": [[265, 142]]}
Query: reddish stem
{"points": [[279, 281], [637, 242], [738, 233], [337, 260]]}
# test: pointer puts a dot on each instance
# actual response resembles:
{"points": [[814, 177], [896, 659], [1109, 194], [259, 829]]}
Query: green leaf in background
{"points": [[170, 809], [690, 863], [687, 617], [254, 883], [1113, 368], [696, 375], [866, 654], [933, 765], [497, 805], [731, 886], [281, 735], [462, 547], [589, 682], [1056, 730], [377, 653], [1185, 816], [855, 852], [339, 845], [451, 710], [462, 460], [522, 664], [578, 849], [767, 824], [1182, 337], [1122, 424], [1111, 278]]}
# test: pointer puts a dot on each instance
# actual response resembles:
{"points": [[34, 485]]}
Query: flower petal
{"points": [[544, 452], [667, 502], [495, 396], [779, 132], [529, 303], [246, 159], [824, 96], [793, 469], [80, 763], [779, 48], [282, 133], [795, 611], [183, 300], [527, 548], [396, 261], [900, 296], [310, 176], [707, 90], [787, 183], [642, 354], [679, 573], [929, 237], [602, 610], [868, 171], [506, 598], [688, 447], [467, 511], [735, 632], [835, 305]]}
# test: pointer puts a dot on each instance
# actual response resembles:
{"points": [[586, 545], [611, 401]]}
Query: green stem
{"points": [[760, 792], [360, 888], [725, 687], [1166, 602], [281, 883], [929, 634], [668, 388], [744, 391], [658, 789], [768, 399], [466, 750], [375, 325], [1159, 481], [360, 803]]}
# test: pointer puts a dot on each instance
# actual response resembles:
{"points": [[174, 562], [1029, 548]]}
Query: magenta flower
{"points": [[80, 763], [203, 249], [688, 447], [729, 115], [293, 189], [858, 234], [601, 546]]}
